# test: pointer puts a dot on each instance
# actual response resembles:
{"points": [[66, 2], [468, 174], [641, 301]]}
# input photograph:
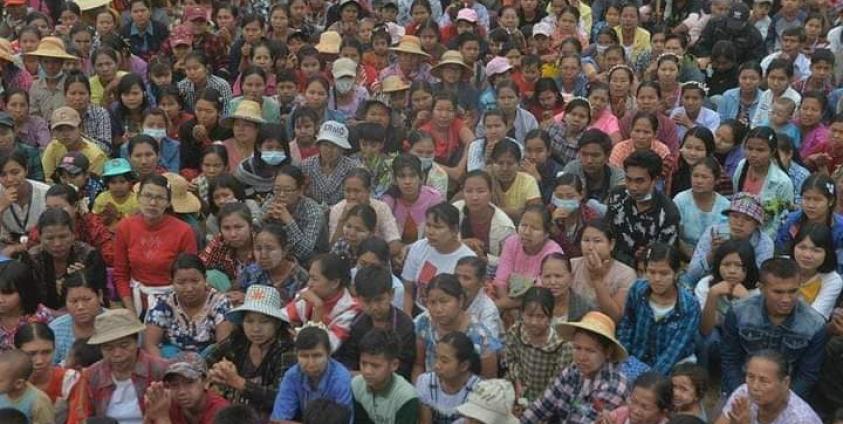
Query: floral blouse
{"points": [[185, 332]]}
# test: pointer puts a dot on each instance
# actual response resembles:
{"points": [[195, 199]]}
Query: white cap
{"points": [[334, 132], [490, 402], [542, 28], [344, 67]]}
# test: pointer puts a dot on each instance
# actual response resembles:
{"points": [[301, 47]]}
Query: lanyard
{"points": [[17, 219]]}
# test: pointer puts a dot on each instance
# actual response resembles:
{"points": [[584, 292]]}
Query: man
{"points": [[10, 143], [592, 165], [639, 213], [380, 394], [779, 320], [828, 397], [145, 35], [183, 396], [67, 137], [734, 27]]}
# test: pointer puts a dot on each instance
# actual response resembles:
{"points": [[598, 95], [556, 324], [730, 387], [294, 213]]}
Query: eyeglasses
{"points": [[153, 198], [285, 190]]}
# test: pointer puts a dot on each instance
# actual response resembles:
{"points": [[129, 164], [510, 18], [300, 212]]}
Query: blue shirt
{"points": [[699, 266], [169, 154], [730, 105], [63, 330], [295, 391], [663, 343], [693, 221]]}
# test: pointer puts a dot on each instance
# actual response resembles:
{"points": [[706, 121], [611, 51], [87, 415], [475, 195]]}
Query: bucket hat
{"points": [[394, 83], [335, 133], [52, 47], [91, 4], [261, 299], [410, 44], [490, 402], [329, 42], [450, 57], [597, 323], [116, 167], [247, 110], [114, 324], [748, 205], [181, 199]]}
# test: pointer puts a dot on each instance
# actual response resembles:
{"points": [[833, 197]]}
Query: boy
{"points": [[73, 170], [285, 84], [527, 76], [791, 41], [790, 15], [760, 16], [378, 57], [380, 395], [160, 74], [389, 12], [119, 200], [66, 130], [471, 271], [781, 115], [371, 138], [373, 286], [17, 392], [303, 146], [820, 78], [184, 391], [469, 47], [543, 48]]}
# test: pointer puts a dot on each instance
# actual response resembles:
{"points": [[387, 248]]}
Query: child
{"points": [[358, 224], [790, 164], [780, 120], [469, 46], [539, 163], [371, 138], [565, 135], [822, 73], [760, 16], [692, 113], [378, 56], [535, 353], [814, 132], [74, 169], [815, 30], [791, 50], [667, 71], [155, 124], [160, 75], [697, 144], [690, 384], [649, 402], [528, 76], [471, 271], [171, 103], [213, 162], [18, 393], [82, 355], [423, 147], [285, 86], [779, 74], [479, 153], [379, 361], [303, 146], [443, 390], [315, 376], [118, 200], [546, 101]]}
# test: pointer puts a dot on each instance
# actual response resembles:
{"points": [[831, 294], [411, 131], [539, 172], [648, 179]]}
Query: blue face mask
{"points": [[273, 157], [157, 133], [569, 204]]}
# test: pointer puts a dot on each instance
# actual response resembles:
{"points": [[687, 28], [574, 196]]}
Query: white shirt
{"points": [[124, 406], [483, 310], [801, 66], [423, 262], [796, 411]]}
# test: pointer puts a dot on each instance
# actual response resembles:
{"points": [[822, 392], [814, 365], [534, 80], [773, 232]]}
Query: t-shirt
{"points": [[443, 405], [796, 411], [398, 403], [524, 188], [213, 405], [124, 405], [33, 403], [127, 207], [424, 262]]}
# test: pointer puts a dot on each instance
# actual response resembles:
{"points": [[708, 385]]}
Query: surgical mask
{"points": [[43, 74], [426, 163], [157, 133], [569, 205], [646, 198], [273, 157], [344, 85], [601, 48]]}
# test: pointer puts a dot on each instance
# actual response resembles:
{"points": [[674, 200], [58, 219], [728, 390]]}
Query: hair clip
{"points": [[581, 98], [698, 84], [313, 324], [668, 54], [620, 66], [830, 187]]}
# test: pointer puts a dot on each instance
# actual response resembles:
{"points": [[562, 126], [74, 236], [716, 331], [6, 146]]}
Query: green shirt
{"points": [[397, 403]]}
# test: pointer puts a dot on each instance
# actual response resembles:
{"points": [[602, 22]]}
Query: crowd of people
{"points": [[421, 211]]}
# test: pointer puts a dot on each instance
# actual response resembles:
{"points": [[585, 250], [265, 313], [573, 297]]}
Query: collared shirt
{"points": [[484, 340], [731, 107], [636, 229], [659, 343], [296, 280], [524, 122], [96, 123], [56, 150], [707, 118], [189, 92], [44, 100], [34, 132], [397, 403], [303, 232], [218, 255], [575, 399], [296, 392], [327, 189], [535, 367]]}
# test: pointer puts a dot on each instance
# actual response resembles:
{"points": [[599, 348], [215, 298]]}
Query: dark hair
{"points": [[210, 95], [276, 230], [377, 246], [569, 180], [818, 96], [224, 181], [312, 338], [142, 139], [659, 385], [543, 213], [825, 186], [646, 159], [537, 133], [65, 191], [326, 411], [664, 252], [769, 136], [55, 216], [822, 237], [506, 146], [84, 355], [650, 84], [577, 102], [464, 348], [361, 174], [372, 281], [445, 213], [822, 55], [235, 208], [252, 17], [13, 416], [73, 76], [236, 414], [293, 172], [603, 226], [477, 263], [712, 165], [738, 128], [747, 254], [217, 149], [725, 49], [252, 70], [333, 267], [79, 279], [32, 331], [541, 296], [17, 277], [703, 134], [449, 284], [595, 136], [780, 64], [697, 374], [188, 261], [19, 91], [380, 342], [780, 267], [156, 180], [16, 156], [366, 213], [547, 84], [652, 119], [685, 419], [774, 357], [370, 131], [127, 82]]}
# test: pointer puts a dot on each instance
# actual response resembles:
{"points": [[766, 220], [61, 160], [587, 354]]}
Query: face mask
{"points": [[569, 205], [273, 157], [344, 85], [646, 198], [426, 163], [43, 74], [157, 133], [601, 49]]}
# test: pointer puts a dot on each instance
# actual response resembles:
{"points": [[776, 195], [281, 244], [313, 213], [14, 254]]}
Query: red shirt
{"points": [[213, 404]]}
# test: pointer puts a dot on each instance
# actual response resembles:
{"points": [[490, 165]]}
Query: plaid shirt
{"points": [[327, 189], [660, 344], [96, 124], [188, 91], [535, 367], [303, 232], [295, 281], [218, 255], [575, 399], [563, 148]]}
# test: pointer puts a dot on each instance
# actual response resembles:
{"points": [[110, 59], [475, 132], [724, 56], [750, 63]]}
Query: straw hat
{"points": [[91, 4], [410, 44], [6, 50], [329, 42], [597, 323], [182, 200], [52, 47], [394, 83], [247, 110], [450, 57], [490, 402], [114, 324], [261, 299]]}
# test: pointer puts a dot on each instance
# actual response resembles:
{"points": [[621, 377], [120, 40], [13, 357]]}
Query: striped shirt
{"points": [[338, 313]]}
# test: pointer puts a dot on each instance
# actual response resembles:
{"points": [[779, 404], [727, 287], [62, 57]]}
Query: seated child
{"points": [[75, 169], [17, 392], [690, 383], [379, 356], [371, 138], [118, 200], [780, 120]]}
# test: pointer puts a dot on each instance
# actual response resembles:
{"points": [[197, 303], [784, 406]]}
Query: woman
{"points": [[22, 301], [107, 387], [128, 110], [516, 189], [12, 75], [327, 170], [517, 119], [249, 363], [648, 98], [189, 319], [146, 244], [408, 198], [30, 129], [357, 189], [700, 206], [645, 126], [253, 85], [21, 202], [450, 134], [347, 95], [59, 254], [301, 216], [274, 265], [46, 92], [245, 123], [483, 226], [199, 77], [106, 76], [569, 210], [257, 173], [813, 250], [143, 153], [231, 251], [84, 299], [96, 121], [739, 103], [202, 131], [38, 341]]}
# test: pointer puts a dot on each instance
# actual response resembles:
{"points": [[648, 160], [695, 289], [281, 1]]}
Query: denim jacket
{"points": [[790, 226], [801, 338]]}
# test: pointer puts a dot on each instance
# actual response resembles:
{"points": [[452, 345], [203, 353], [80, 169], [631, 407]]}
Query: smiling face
{"points": [[809, 255], [693, 150]]}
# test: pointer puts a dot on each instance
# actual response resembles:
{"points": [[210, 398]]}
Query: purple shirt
{"points": [[35, 132], [422, 73], [428, 197]]}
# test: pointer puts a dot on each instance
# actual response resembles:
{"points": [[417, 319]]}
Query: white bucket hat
{"points": [[490, 402], [261, 299]]}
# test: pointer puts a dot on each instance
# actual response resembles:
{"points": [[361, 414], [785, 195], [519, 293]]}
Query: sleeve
{"points": [[531, 191], [36, 172], [80, 405], [627, 323], [810, 361], [550, 403], [348, 354], [513, 370], [408, 352], [102, 239], [783, 237], [159, 315], [262, 395], [42, 410], [342, 387], [303, 238], [122, 271], [286, 405], [732, 354], [48, 160], [340, 328], [670, 228], [827, 297], [698, 267], [187, 244], [408, 413], [411, 264], [505, 262]]}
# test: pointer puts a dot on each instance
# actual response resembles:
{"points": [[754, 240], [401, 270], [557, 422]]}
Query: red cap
{"points": [[181, 35], [15, 3], [192, 13]]}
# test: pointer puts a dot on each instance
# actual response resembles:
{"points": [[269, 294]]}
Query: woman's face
{"points": [[105, 67], [532, 231], [236, 231], [355, 230], [225, 19], [82, 40], [702, 179], [260, 329], [724, 139], [619, 83], [83, 304], [556, 277], [613, 16], [196, 72], [355, 191], [105, 23], [206, 113], [447, 365], [816, 206], [692, 100], [287, 190], [535, 321], [132, 99], [648, 100], [661, 276], [13, 174], [144, 159], [548, 99], [421, 100], [10, 304], [349, 13], [732, 269], [749, 80], [644, 407], [57, 240], [599, 99], [758, 153], [693, 150], [567, 23], [495, 128], [245, 131], [589, 354], [642, 134], [810, 112], [42, 25], [507, 100], [316, 96], [154, 201], [629, 17], [684, 392], [808, 254], [477, 193], [777, 81], [18, 107], [409, 182], [320, 284], [212, 165], [444, 113], [254, 87], [77, 96], [310, 67], [508, 19], [766, 387], [577, 119], [444, 308], [536, 151], [189, 286], [40, 351], [329, 152], [668, 71], [269, 253]]}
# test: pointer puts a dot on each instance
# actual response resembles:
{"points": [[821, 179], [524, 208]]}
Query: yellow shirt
{"points": [[97, 89], [523, 189], [128, 207], [54, 151], [811, 289], [640, 43]]}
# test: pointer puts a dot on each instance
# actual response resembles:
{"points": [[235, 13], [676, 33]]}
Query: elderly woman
{"points": [[327, 170], [146, 244], [249, 363], [84, 299], [301, 216], [191, 318], [114, 386]]}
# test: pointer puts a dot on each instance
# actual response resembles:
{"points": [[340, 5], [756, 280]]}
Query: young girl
{"points": [[539, 163], [813, 250], [690, 384], [326, 299], [423, 147], [118, 200], [480, 151], [521, 256], [697, 144], [700, 206], [692, 113], [446, 301], [213, 162], [814, 133], [28, 39], [274, 264], [409, 198], [659, 309], [421, 103], [199, 133], [432, 39], [128, 112], [232, 249], [359, 224], [620, 79], [38, 341], [534, 351], [449, 132], [727, 146], [442, 390], [518, 121], [257, 173], [815, 30], [565, 135], [24, 303], [779, 75], [516, 189], [224, 189], [303, 144], [171, 103], [650, 402], [667, 71], [309, 66], [378, 56]]}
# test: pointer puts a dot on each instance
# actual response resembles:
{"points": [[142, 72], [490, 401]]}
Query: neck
{"points": [[153, 221], [769, 413], [40, 378], [83, 329], [762, 169], [703, 196], [534, 250], [691, 409], [411, 197], [807, 274], [124, 373], [454, 385], [666, 298], [482, 212]]}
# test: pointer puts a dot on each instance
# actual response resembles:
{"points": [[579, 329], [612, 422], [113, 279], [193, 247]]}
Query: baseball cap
{"points": [[542, 28], [344, 67], [65, 115], [74, 163], [6, 120], [335, 133], [188, 365], [192, 13], [467, 15], [498, 65], [738, 15], [180, 36]]}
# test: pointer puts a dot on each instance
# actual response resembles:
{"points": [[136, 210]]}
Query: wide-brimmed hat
{"points": [[6, 50], [335, 133], [247, 110], [261, 299], [748, 205], [115, 167], [519, 284], [344, 67], [394, 83], [182, 200], [74, 163], [329, 42], [597, 323], [52, 47], [65, 115], [490, 402], [410, 44], [497, 66], [188, 365], [114, 324], [450, 57], [91, 4]]}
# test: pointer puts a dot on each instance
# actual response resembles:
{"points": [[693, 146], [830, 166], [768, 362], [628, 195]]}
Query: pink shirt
{"points": [[606, 121], [428, 197], [814, 141], [514, 260]]}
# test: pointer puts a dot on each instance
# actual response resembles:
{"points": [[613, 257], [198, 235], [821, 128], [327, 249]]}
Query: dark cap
{"points": [[738, 15], [188, 365], [74, 162], [6, 120]]}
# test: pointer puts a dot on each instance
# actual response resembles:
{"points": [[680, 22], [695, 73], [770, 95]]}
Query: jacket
{"points": [[777, 195], [747, 40], [501, 228]]}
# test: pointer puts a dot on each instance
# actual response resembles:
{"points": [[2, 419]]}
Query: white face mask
{"points": [[157, 133], [426, 163], [344, 85]]}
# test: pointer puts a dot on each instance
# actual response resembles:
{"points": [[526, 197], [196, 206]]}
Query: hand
{"points": [[560, 213], [683, 120], [597, 268], [279, 211], [13, 249], [311, 297], [740, 411], [835, 327], [236, 297], [292, 61], [476, 245], [604, 418], [225, 373], [157, 401], [529, 167], [62, 29], [739, 291], [200, 133], [722, 288], [225, 34], [703, 62], [10, 196], [193, 187]]}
